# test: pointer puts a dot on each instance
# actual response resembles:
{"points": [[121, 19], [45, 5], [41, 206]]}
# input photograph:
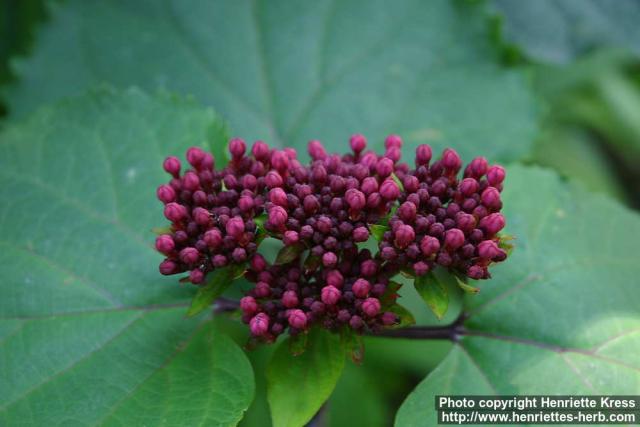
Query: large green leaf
{"points": [[560, 30], [90, 333], [561, 315], [297, 386], [289, 71]]}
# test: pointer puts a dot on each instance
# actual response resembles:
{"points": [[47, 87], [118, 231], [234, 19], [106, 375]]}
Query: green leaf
{"points": [[462, 283], [433, 292], [560, 315], [397, 181], [289, 253], [354, 344], [405, 316], [91, 332], [297, 386], [424, 70], [559, 31], [378, 231], [220, 279]]}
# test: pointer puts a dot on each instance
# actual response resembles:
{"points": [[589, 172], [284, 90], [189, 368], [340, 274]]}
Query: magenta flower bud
{"points": [[361, 288], [235, 227], [306, 232], [374, 200], [334, 278], [172, 166], [368, 268], [488, 249], [319, 173], [168, 267], [166, 194], [165, 243], [213, 238], [195, 156], [174, 212], [404, 236], [492, 223], [356, 322], [465, 222], [411, 183], [189, 255], [290, 237], [245, 203], [451, 159], [371, 307], [360, 234], [248, 305], [277, 196], [219, 261], [477, 272], [369, 185], [258, 263], [273, 179], [423, 155], [389, 318], [208, 161], [393, 154], [291, 153], [200, 216], [429, 245], [297, 319], [393, 141], [262, 290], [407, 211], [249, 182], [277, 216], [260, 150], [237, 148], [453, 239], [421, 268], [259, 324], [316, 150], [280, 161], [495, 175], [491, 198], [190, 181], [330, 295], [329, 259], [468, 186], [388, 253], [196, 276], [384, 167], [358, 143], [355, 199], [389, 190], [323, 224], [369, 159], [290, 299], [477, 168], [239, 255]]}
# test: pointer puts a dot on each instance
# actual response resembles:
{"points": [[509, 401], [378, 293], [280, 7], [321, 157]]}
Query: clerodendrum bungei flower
{"points": [[322, 211]]}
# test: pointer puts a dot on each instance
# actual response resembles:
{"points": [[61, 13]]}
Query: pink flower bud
{"points": [[360, 234], [423, 155], [421, 268], [316, 150], [290, 299], [374, 200], [369, 185], [361, 288], [245, 203], [273, 179], [248, 305], [384, 167], [389, 318], [488, 249], [411, 183], [476, 272], [389, 190], [190, 181], [196, 276], [477, 168], [371, 307], [258, 263], [404, 236], [168, 267], [237, 148], [329, 259], [310, 204], [235, 227], [280, 161], [465, 222], [368, 268], [260, 150], [249, 182], [323, 224], [174, 212], [319, 173], [453, 239], [213, 238], [369, 159], [165, 243], [195, 155], [495, 175], [219, 261], [189, 255], [172, 165], [429, 245], [491, 198], [297, 319], [393, 154], [290, 237], [355, 199], [356, 322], [277, 196], [393, 141], [468, 186], [330, 295], [200, 216], [334, 278], [239, 255], [358, 143], [277, 216], [492, 223], [166, 194], [259, 324], [407, 211]]}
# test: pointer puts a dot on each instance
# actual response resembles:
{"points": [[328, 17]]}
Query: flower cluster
{"points": [[321, 212]]}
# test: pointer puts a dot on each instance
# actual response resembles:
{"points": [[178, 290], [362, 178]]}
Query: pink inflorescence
{"points": [[323, 210]]}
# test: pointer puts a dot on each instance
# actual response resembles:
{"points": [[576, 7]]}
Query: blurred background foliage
{"points": [[583, 58]]}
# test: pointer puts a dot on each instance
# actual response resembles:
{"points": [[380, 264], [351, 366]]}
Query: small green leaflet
{"points": [[462, 283], [378, 231], [434, 293], [289, 253], [404, 315], [398, 182], [221, 279]]}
